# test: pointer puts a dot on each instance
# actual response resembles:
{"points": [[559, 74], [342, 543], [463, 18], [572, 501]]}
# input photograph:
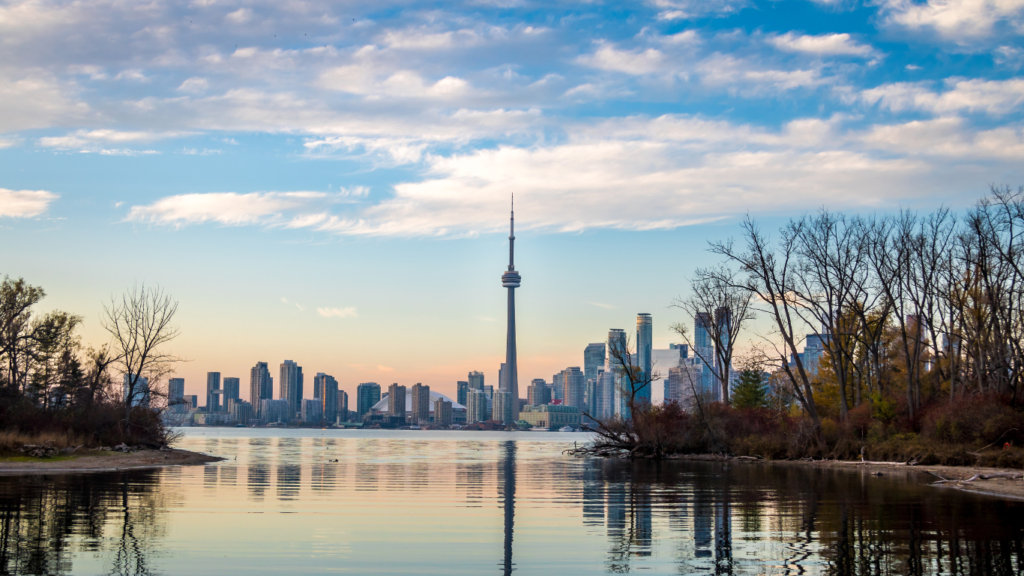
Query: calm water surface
{"points": [[488, 503]]}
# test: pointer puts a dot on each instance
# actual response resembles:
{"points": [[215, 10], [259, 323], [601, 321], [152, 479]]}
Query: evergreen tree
{"points": [[751, 390]]}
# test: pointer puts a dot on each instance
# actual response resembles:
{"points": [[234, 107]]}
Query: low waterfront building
{"points": [[551, 416], [312, 411], [274, 411]]}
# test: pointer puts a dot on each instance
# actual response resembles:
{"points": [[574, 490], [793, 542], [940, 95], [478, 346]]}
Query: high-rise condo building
{"points": [[176, 395], [231, 390], [462, 388], [644, 345], [290, 386], [606, 391], [502, 376], [682, 381], [476, 409], [213, 392], [442, 412], [476, 380], [510, 280], [666, 359], [420, 404], [342, 406], [539, 393], [593, 358], [367, 394], [261, 387], [191, 402], [325, 389], [575, 387], [502, 407], [396, 401]]}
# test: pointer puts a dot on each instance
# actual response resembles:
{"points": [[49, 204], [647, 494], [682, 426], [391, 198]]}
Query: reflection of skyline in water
{"points": [[414, 505]]}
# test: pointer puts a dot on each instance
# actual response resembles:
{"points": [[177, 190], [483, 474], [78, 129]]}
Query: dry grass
{"points": [[11, 441]]}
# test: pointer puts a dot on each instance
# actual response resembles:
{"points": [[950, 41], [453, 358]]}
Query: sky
{"points": [[330, 182]]}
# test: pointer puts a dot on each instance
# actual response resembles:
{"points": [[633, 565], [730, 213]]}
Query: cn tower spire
{"points": [[512, 236], [511, 280]]}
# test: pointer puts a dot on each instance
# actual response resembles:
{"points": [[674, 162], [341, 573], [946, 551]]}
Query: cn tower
{"points": [[510, 279]]}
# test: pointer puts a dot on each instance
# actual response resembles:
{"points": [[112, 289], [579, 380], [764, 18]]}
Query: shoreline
{"points": [[104, 461], [926, 475]]}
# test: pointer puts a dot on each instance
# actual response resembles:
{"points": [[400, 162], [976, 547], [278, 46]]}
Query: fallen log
{"points": [[976, 477]]}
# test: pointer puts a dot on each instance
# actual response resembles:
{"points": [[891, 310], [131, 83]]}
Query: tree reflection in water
{"points": [[803, 521], [47, 519]]}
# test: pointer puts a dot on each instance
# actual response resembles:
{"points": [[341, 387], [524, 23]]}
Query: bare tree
{"points": [[17, 298], [719, 302], [771, 278], [831, 267], [140, 325]]}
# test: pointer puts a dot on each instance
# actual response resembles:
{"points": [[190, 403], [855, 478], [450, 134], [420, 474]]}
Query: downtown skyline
{"points": [[331, 187]]}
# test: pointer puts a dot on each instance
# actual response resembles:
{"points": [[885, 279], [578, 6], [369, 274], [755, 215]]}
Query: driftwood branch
{"points": [[1007, 475]]}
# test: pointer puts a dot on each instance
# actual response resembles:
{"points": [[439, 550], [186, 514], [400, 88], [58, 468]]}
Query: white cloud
{"points": [[826, 44], [993, 97], [724, 70], [95, 140], [134, 75], [194, 85], [958, 20], [240, 16], [24, 203], [691, 9], [947, 137], [346, 312], [228, 208], [608, 57]]}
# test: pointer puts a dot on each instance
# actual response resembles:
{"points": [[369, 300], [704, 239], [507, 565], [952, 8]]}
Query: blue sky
{"points": [[329, 183]]}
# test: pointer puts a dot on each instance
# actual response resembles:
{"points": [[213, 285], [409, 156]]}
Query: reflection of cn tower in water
{"points": [[508, 490], [510, 280]]}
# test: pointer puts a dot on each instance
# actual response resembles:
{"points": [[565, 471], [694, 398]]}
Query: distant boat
{"points": [[540, 429], [566, 429], [414, 428]]}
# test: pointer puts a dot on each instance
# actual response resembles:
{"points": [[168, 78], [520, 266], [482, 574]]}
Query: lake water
{"points": [[417, 502]]}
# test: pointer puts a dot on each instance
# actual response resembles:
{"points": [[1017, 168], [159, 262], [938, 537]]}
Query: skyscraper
{"points": [[462, 388], [593, 358], [644, 345], [704, 350], [538, 394], [420, 403], [476, 380], [367, 394], [617, 347], [396, 401], [343, 405], [575, 386], [290, 387], [176, 395], [502, 407], [510, 280], [212, 392], [261, 387], [557, 387], [476, 409], [325, 389], [231, 389]]}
